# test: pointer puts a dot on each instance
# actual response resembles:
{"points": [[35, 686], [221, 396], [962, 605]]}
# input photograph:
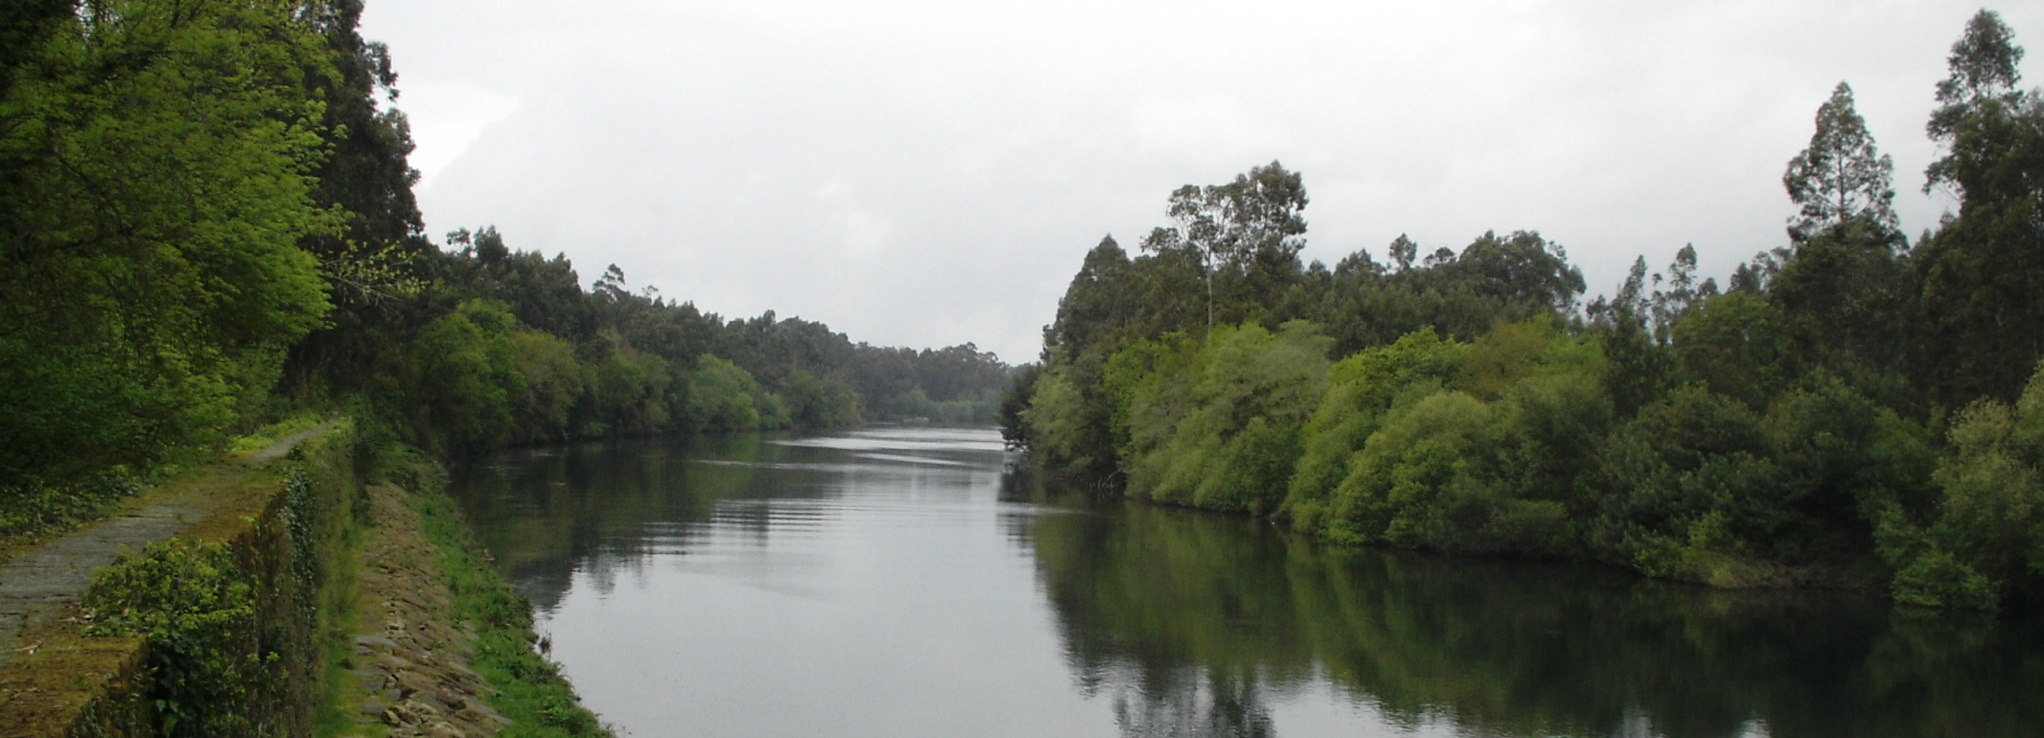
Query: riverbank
{"points": [[330, 592], [451, 629]]}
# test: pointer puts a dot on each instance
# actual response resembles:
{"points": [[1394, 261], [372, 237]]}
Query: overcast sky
{"points": [[931, 173]]}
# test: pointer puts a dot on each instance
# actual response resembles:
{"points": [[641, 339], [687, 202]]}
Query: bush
{"points": [[1986, 542], [723, 397], [461, 376], [1216, 423], [1360, 389]]}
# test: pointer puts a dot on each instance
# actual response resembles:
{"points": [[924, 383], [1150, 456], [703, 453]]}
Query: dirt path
{"points": [[40, 585]]}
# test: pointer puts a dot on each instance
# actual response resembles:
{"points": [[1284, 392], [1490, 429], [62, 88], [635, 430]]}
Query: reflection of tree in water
{"points": [[1192, 703], [1162, 609], [1182, 700], [603, 508], [606, 509]]}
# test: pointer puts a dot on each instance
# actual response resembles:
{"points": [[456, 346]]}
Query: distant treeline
{"points": [[503, 346], [207, 222], [1850, 409]]}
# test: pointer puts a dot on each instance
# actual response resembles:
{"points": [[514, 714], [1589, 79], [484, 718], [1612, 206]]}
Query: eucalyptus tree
{"points": [[1248, 231], [1984, 66], [1982, 271], [1841, 289], [1841, 177]]}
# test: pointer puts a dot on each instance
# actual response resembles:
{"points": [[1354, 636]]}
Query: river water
{"points": [[904, 582]]}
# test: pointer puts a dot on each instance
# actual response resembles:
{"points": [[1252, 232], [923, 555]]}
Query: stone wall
{"points": [[214, 632]]}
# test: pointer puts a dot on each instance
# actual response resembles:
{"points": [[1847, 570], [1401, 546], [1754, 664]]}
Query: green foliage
{"points": [[1245, 235], [1690, 474], [1411, 483], [1843, 298], [197, 609], [816, 402], [1840, 178], [461, 375], [1014, 401], [38, 507], [1475, 447], [1058, 420], [1450, 471], [629, 391], [1217, 424], [1096, 304], [155, 165], [1360, 389], [1987, 537], [1982, 276], [636, 351], [1698, 486], [723, 397], [1781, 433], [553, 383], [270, 434], [1844, 458], [1732, 344], [532, 693]]}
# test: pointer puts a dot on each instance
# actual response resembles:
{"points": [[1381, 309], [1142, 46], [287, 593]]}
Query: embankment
{"points": [[330, 592]]}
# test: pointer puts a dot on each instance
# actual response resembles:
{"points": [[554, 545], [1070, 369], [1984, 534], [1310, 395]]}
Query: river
{"points": [[905, 582]]}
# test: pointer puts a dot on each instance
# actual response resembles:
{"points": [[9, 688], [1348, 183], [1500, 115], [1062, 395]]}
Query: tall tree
{"points": [[1840, 288], [1983, 67], [1249, 232], [1983, 271], [1841, 176], [157, 157], [377, 263], [1097, 303], [1981, 116]]}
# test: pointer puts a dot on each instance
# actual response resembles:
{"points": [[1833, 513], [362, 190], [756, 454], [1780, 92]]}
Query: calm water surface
{"points": [[902, 582]]}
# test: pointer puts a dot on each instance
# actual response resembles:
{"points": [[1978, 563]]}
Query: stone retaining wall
{"points": [[275, 524]]}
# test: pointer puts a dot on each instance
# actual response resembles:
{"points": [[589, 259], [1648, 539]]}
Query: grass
{"points": [[530, 689], [269, 435], [36, 510], [339, 608], [32, 511]]}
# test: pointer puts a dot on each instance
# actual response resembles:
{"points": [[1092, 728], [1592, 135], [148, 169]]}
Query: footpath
{"points": [[406, 595], [41, 586]]}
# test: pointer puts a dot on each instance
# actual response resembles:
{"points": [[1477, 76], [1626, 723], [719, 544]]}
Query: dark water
{"points": [[898, 582]]}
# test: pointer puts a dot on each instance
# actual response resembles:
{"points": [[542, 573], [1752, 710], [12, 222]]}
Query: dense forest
{"points": [[1851, 409], [207, 224]]}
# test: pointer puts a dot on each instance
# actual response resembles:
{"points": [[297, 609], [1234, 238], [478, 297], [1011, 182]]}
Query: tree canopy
{"points": [[1853, 410]]}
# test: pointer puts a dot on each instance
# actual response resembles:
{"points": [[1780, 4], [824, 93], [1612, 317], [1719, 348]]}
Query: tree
{"points": [[1522, 269], [376, 263], [1983, 67], [1982, 272], [1980, 115], [1096, 304], [1251, 229], [1403, 251], [1841, 176], [154, 187]]}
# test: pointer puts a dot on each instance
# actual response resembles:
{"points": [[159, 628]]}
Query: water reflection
{"points": [[1196, 621], [905, 582]]}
